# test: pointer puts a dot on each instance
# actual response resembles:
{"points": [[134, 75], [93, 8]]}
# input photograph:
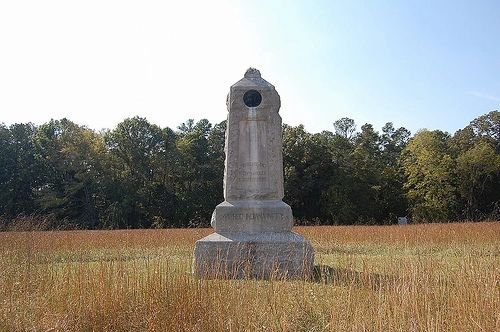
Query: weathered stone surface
{"points": [[253, 225], [254, 161], [260, 256], [252, 217]]}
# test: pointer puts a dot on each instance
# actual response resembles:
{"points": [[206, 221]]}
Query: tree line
{"points": [[139, 175]]}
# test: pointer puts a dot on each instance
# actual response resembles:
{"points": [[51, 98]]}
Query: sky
{"points": [[418, 64]]}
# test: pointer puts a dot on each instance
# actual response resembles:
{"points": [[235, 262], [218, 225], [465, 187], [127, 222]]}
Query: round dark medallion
{"points": [[252, 98]]}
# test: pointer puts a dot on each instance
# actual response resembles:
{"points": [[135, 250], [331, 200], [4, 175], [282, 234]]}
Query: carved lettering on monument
{"points": [[253, 216]]}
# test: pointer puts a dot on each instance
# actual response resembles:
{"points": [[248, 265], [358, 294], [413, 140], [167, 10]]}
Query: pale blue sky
{"points": [[419, 64]]}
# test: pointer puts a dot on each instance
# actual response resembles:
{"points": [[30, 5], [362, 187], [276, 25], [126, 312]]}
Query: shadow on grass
{"points": [[350, 278]]}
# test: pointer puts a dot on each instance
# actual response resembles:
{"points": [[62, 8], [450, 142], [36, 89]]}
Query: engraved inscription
{"points": [[252, 173], [253, 216], [233, 216]]}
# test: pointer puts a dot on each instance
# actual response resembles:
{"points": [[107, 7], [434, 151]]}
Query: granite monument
{"points": [[253, 227]]}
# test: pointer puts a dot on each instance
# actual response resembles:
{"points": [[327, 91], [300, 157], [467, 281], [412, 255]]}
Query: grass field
{"points": [[434, 277]]}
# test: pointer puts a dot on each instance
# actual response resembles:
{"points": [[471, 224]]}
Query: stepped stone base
{"points": [[259, 256]]}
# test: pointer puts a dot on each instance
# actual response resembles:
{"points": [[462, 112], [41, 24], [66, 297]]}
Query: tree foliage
{"points": [[430, 182], [139, 175]]}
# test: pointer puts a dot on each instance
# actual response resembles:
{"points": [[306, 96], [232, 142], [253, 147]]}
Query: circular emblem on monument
{"points": [[252, 98]]}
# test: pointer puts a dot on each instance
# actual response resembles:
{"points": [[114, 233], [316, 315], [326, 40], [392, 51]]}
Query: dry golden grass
{"points": [[435, 277]]}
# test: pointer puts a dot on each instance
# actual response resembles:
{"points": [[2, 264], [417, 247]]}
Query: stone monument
{"points": [[253, 227], [402, 220]]}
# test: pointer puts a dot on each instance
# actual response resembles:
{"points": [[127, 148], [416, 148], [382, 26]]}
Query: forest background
{"points": [[60, 175]]}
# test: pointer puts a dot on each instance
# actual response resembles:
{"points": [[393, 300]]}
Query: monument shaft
{"points": [[253, 236]]}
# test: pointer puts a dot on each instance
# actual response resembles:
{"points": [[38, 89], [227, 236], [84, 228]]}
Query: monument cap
{"points": [[252, 73], [252, 78]]}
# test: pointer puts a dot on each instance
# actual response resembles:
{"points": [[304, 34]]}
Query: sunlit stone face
{"points": [[254, 164]]}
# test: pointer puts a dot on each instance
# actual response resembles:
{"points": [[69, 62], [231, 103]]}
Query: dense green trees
{"points": [[430, 183], [140, 175], [19, 170]]}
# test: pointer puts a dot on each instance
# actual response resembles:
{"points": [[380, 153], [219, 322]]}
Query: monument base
{"points": [[258, 256], [252, 216]]}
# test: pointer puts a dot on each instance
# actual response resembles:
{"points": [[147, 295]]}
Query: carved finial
{"points": [[252, 73]]}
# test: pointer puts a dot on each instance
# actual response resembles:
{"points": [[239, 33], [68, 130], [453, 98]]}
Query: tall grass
{"points": [[435, 277]]}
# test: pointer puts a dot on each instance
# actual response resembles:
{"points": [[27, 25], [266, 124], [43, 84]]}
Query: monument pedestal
{"points": [[260, 256]]}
